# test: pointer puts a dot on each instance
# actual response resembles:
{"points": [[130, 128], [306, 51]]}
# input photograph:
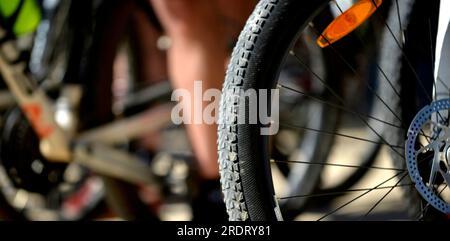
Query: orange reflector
{"points": [[348, 21]]}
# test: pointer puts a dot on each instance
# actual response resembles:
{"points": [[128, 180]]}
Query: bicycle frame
{"points": [[38, 108]]}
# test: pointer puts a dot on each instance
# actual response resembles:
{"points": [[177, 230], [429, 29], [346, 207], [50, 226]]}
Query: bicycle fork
{"points": [[442, 60]]}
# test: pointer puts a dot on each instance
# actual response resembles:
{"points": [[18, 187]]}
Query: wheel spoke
{"points": [[343, 102], [363, 43], [416, 75], [423, 211], [362, 195], [341, 107], [374, 92], [368, 191], [343, 165], [341, 135], [384, 196], [343, 192]]}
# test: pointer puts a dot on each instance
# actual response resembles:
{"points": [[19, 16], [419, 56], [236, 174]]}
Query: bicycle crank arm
{"points": [[130, 128], [111, 162], [38, 109]]}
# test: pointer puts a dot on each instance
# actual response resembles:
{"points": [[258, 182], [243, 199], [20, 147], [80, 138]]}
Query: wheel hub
{"points": [[428, 153]]}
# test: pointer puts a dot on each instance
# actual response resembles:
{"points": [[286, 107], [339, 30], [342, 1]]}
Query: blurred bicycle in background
{"points": [[88, 114]]}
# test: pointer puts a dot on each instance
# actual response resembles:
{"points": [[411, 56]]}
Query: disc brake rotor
{"points": [[428, 153]]}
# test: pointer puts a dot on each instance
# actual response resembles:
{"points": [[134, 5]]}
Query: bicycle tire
{"points": [[249, 196]]}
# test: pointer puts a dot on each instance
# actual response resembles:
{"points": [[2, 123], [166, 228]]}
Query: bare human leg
{"points": [[197, 53]]}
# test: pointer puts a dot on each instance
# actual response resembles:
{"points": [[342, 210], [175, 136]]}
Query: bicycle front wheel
{"points": [[252, 189]]}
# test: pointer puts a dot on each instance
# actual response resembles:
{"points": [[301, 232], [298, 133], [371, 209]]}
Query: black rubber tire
{"points": [[245, 173]]}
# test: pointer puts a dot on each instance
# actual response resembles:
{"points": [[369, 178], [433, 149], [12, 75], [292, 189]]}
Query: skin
{"points": [[198, 52]]}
